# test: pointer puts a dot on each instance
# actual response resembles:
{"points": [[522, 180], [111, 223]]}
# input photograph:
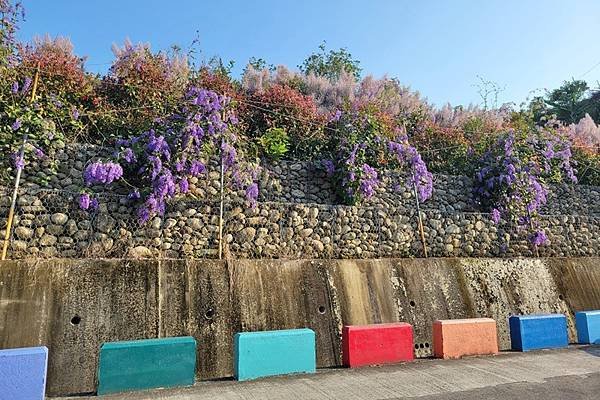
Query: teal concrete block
{"points": [[146, 364], [588, 327], [270, 353], [23, 373]]}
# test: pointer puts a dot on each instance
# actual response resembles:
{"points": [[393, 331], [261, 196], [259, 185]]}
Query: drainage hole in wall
{"points": [[412, 303], [421, 346], [417, 346], [75, 320], [560, 296], [321, 309], [426, 345], [209, 314]]}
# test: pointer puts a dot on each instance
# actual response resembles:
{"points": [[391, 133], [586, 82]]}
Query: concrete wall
{"points": [[73, 306]]}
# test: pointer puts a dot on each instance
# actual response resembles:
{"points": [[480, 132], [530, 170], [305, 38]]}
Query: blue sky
{"points": [[436, 47]]}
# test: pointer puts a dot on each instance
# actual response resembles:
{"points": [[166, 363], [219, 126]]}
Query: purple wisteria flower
{"points": [[180, 166], [134, 195], [84, 201], [94, 204], [329, 167], [15, 88], [513, 176], [162, 160], [18, 161], [26, 85], [197, 168], [39, 153], [102, 173], [420, 176], [158, 145], [184, 185], [496, 216], [252, 194], [228, 155], [16, 125], [336, 116], [368, 181], [75, 114], [129, 155], [538, 238]]}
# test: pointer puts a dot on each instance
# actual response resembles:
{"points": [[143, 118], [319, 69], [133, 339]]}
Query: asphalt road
{"points": [[568, 374]]}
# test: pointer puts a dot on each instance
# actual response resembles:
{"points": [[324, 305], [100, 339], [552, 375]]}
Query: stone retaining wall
{"points": [[297, 217]]}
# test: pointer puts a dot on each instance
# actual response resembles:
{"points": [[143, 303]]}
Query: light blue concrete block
{"points": [[23, 373], [588, 327], [540, 331], [269, 353]]}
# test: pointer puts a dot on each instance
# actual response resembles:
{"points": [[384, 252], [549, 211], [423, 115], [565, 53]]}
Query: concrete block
{"points": [[23, 373], [588, 327], [540, 331], [454, 338], [270, 353], [377, 344], [146, 364]]}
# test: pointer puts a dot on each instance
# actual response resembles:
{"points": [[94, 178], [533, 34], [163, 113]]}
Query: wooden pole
{"points": [[221, 207], [535, 247], [420, 219], [421, 231], [11, 212]]}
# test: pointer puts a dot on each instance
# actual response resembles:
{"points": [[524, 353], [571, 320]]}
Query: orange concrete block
{"points": [[454, 338]]}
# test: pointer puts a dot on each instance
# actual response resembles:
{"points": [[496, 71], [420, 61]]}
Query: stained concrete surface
{"points": [[567, 374], [73, 306]]}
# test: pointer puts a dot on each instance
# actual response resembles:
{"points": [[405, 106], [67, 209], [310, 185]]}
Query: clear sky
{"points": [[436, 47]]}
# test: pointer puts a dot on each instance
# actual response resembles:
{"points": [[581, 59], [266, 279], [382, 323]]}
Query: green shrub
{"points": [[274, 143]]}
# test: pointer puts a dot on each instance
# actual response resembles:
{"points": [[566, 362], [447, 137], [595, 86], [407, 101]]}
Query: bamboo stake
{"points": [[11, 212], [420, 220], [221, 207], [535, 247], [421, 231]]}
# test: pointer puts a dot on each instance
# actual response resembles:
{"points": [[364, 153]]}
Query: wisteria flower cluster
{"points": [[361, 143], [102, 173], [408, 159], [513, 174], [159, 163]]}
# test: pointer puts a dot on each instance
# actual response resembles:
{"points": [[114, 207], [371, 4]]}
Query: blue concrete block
{"points": [[146, 364], [23, 373], [541, 331], [588, 327], [269, 353]]}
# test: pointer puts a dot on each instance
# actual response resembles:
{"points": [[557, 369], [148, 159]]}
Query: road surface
{"points": [[567, 374]]}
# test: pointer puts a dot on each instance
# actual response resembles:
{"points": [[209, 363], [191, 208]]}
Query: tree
{"points": [[569, 102], [330, 64], [593, 105]]}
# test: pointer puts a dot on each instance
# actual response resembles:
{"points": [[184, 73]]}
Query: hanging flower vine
{"points": [[361, 143], [158, 164], [512, 178]]}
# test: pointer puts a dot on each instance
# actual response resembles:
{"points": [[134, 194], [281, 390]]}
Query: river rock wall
{"points": [[297, 217]]}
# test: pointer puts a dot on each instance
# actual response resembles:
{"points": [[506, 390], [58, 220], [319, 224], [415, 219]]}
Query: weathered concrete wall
{"points": [[73, 306]]}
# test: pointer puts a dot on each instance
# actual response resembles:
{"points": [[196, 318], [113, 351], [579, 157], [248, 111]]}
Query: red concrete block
{"points": [[377, 344], [454, 338]]}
